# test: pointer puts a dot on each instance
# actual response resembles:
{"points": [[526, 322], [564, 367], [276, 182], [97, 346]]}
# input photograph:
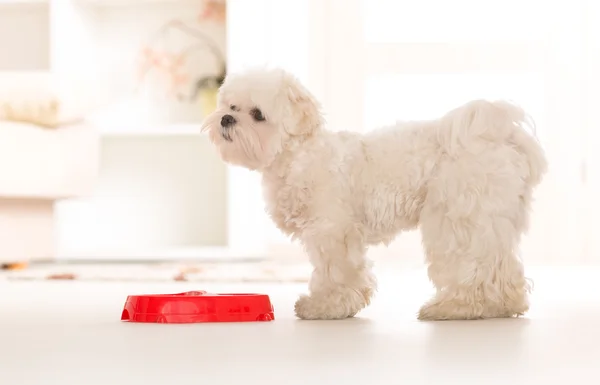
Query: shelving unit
{"points": [[161, 186]]}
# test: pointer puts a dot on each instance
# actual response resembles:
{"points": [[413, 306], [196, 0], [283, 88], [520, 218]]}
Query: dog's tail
{"points": [[499, 122]]}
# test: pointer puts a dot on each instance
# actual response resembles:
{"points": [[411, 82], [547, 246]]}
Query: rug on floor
{"points": [[264, 271]]}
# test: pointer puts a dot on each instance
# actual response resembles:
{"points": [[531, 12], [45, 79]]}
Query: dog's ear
{"points": [[305, 110]]}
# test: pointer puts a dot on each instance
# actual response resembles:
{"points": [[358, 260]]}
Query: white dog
{"points": [[465, 180]]}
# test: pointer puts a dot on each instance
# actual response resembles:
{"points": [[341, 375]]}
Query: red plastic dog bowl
{"points": [[197, 306]]}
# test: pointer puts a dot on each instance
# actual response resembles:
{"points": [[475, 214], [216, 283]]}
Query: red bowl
{"points": [[197, 306]]}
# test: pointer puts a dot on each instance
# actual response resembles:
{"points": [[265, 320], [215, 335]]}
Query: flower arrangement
{"points": [[175, 66]]}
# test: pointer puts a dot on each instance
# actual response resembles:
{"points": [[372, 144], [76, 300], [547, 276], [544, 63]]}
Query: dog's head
{"points": [[259, 114]]}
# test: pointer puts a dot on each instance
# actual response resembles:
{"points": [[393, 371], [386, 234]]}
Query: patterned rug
{"points": [[264, 271]]}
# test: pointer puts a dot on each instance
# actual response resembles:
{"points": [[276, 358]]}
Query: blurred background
{"points": [[104, 173]]}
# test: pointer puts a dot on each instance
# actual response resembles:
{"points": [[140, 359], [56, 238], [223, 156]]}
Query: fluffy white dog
{"points": [[465, 180]]}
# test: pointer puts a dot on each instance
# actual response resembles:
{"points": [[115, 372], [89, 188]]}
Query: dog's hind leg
{"points": [[471, 228], [342, 282]]}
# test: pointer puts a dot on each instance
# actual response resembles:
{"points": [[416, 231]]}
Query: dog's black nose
{"points": [[227, 120]]}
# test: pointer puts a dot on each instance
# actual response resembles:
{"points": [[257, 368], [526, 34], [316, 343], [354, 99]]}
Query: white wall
{"points": [[364, 77], [24, 37], [381, 60]]}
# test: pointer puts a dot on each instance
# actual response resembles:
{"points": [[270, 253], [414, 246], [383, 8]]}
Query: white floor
{"points": [[69, 333]]}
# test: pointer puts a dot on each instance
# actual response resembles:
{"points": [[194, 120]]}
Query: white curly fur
{"points": [[465, 180]]}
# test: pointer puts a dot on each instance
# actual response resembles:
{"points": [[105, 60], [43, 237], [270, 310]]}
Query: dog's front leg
{"points": [[342, 282]]}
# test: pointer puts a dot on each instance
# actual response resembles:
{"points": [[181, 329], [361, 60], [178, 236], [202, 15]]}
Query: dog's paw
{"points": [[460, 310], [334, 305], [321, 308], [450, 310]]}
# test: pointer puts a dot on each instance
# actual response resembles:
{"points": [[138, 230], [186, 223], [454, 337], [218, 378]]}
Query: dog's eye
{"points": [[257, 115], [234, 107]]}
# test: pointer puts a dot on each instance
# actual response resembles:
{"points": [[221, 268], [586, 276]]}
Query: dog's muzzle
{"points": [[226, 134], [227, 123]]}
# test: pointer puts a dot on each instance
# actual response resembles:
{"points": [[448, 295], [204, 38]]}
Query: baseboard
{"points": [[208, 254]]}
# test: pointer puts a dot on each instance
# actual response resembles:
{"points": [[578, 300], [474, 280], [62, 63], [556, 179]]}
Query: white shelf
{"points": [[22, 2], [128, 3], [168, 130]]}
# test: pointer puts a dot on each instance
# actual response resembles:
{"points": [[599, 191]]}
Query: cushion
{"points": [[44, 99]]}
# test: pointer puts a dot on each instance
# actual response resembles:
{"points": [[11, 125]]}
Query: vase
{"points": [[207, 98]]}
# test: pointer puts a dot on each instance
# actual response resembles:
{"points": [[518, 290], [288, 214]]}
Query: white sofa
{"points": [[39, 166]]}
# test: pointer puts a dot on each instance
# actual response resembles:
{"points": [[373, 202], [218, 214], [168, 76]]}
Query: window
{"points": [[375, 61]]}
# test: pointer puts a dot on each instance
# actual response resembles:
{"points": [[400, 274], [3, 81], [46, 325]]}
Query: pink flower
{"points": [[213, 10]]}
